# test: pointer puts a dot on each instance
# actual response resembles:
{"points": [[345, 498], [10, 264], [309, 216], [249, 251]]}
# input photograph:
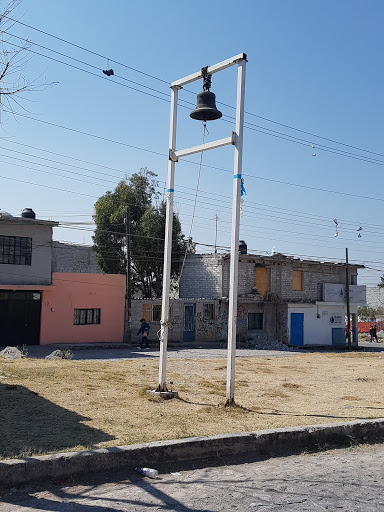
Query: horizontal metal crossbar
{"points": [[211, 69], [175, 155]]}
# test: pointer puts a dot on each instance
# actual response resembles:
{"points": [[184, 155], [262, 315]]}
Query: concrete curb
{"points": [[219, 449]]}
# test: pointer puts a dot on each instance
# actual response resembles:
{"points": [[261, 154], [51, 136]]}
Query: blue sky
{"points": [[312, 66]]}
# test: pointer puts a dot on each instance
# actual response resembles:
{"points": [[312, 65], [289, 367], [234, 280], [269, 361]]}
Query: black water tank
{"points": [[28, 213], [242, 247]]}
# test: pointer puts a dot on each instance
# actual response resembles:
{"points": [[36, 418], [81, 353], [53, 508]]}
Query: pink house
{"points": [[83, 308], [52, 292]]}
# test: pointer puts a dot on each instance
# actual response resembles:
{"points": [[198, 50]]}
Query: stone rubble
{"points": [[56, 354], [265, 342], [11, 353]]}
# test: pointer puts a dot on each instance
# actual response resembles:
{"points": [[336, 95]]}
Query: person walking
{"points": [[372, 334], [144, 329]]}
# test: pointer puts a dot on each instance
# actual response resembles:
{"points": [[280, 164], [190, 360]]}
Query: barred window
{"points": [[86, 316], [15, 250], [209, 311], [156, 312], [151, 312]]}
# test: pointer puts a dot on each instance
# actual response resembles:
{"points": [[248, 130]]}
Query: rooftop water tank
{"points": [[242, 247], [28, 213], [5, 215]]}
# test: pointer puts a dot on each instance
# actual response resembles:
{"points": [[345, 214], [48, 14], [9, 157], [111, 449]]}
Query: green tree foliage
{"points": [[367, 313], [381, 284], [147, 228]]}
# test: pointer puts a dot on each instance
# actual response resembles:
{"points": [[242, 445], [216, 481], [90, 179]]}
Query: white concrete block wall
{"points": [[74, 258], [202, 277]]}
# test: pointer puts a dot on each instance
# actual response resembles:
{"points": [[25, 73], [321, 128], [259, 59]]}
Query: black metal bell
{"points": [[206, 107]]}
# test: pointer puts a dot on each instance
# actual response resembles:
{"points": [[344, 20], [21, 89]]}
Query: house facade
{"points": [[52, 292], [299, 302]]}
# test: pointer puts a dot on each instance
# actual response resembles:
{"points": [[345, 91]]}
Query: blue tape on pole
{"points": [[237, 176], [170, 190], [243, 192]]}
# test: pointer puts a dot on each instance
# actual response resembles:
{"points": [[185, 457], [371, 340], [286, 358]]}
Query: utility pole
{"points": [[347, 298], [216, 219], [128, 293]]}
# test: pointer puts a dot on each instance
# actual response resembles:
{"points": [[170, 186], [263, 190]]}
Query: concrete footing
{"points": [[163, 394], [219, 449]]}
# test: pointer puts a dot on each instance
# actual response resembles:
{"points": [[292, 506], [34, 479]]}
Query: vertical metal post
{"points": [[216, 218], [234, 261], [347, 298], [168, 246], [128, 293]]}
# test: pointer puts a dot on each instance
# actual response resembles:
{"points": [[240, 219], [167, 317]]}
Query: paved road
{"points": [[197, 352], [348, 480]]}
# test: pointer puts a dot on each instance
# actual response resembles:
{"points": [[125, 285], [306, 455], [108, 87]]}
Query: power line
{"points": [[167, 83], [202, 192], [251, 126], [308, 187]]}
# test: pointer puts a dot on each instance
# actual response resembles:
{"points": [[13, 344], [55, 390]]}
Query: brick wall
{"points": [[74, 258]]}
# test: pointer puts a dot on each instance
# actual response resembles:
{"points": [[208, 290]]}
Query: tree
{"points": [[148, 250], [147, 231], [381, 284], [367, 313]]}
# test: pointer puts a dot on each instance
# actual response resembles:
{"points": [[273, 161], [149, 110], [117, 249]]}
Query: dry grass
{"points": [[48, 406]]}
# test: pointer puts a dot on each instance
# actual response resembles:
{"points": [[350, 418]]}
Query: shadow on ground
{"points": [[30, 424]]}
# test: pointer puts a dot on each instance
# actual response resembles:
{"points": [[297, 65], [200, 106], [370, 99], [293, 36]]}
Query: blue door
{"points": [[338, 336], [297, 329], [189, 322]]}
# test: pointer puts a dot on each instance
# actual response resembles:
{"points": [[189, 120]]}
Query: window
{"points": [[209, 311], [156, 312], [15, 250], [255, 321], [297, 280], [152, 312], [86, 316], [353, 278]]}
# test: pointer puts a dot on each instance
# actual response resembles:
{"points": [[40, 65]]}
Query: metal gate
{"points": [[19, 318], [189, 322]]}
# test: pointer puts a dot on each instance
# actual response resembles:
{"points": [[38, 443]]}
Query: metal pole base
{"points": [[230, 402]]}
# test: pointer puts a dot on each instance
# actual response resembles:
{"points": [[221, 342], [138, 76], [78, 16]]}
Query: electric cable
{"points": [[247, 124], [167, 83]]}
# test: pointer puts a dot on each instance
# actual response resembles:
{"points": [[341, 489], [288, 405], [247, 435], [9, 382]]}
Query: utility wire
{"points": [[308, 187], [251, 126], [202, 192], [167, 83]]}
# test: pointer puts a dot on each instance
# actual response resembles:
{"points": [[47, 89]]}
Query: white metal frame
{"points": [[236, 139]]}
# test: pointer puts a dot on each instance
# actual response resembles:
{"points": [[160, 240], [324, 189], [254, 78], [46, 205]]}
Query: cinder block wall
{"points": [[74, 259], [202, 277], [247, 278], [313, 279]]}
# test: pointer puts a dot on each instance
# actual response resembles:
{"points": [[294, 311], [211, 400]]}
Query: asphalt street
{"points": [[348, 479]]}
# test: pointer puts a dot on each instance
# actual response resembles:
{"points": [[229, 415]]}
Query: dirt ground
{"points": [[49, 406]]}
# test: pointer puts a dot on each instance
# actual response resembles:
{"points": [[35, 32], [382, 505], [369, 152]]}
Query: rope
{"points": [[205, 135]]}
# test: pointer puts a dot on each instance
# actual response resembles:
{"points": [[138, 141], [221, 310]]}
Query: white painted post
{"points": [[168, 245], [234, 261]]}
